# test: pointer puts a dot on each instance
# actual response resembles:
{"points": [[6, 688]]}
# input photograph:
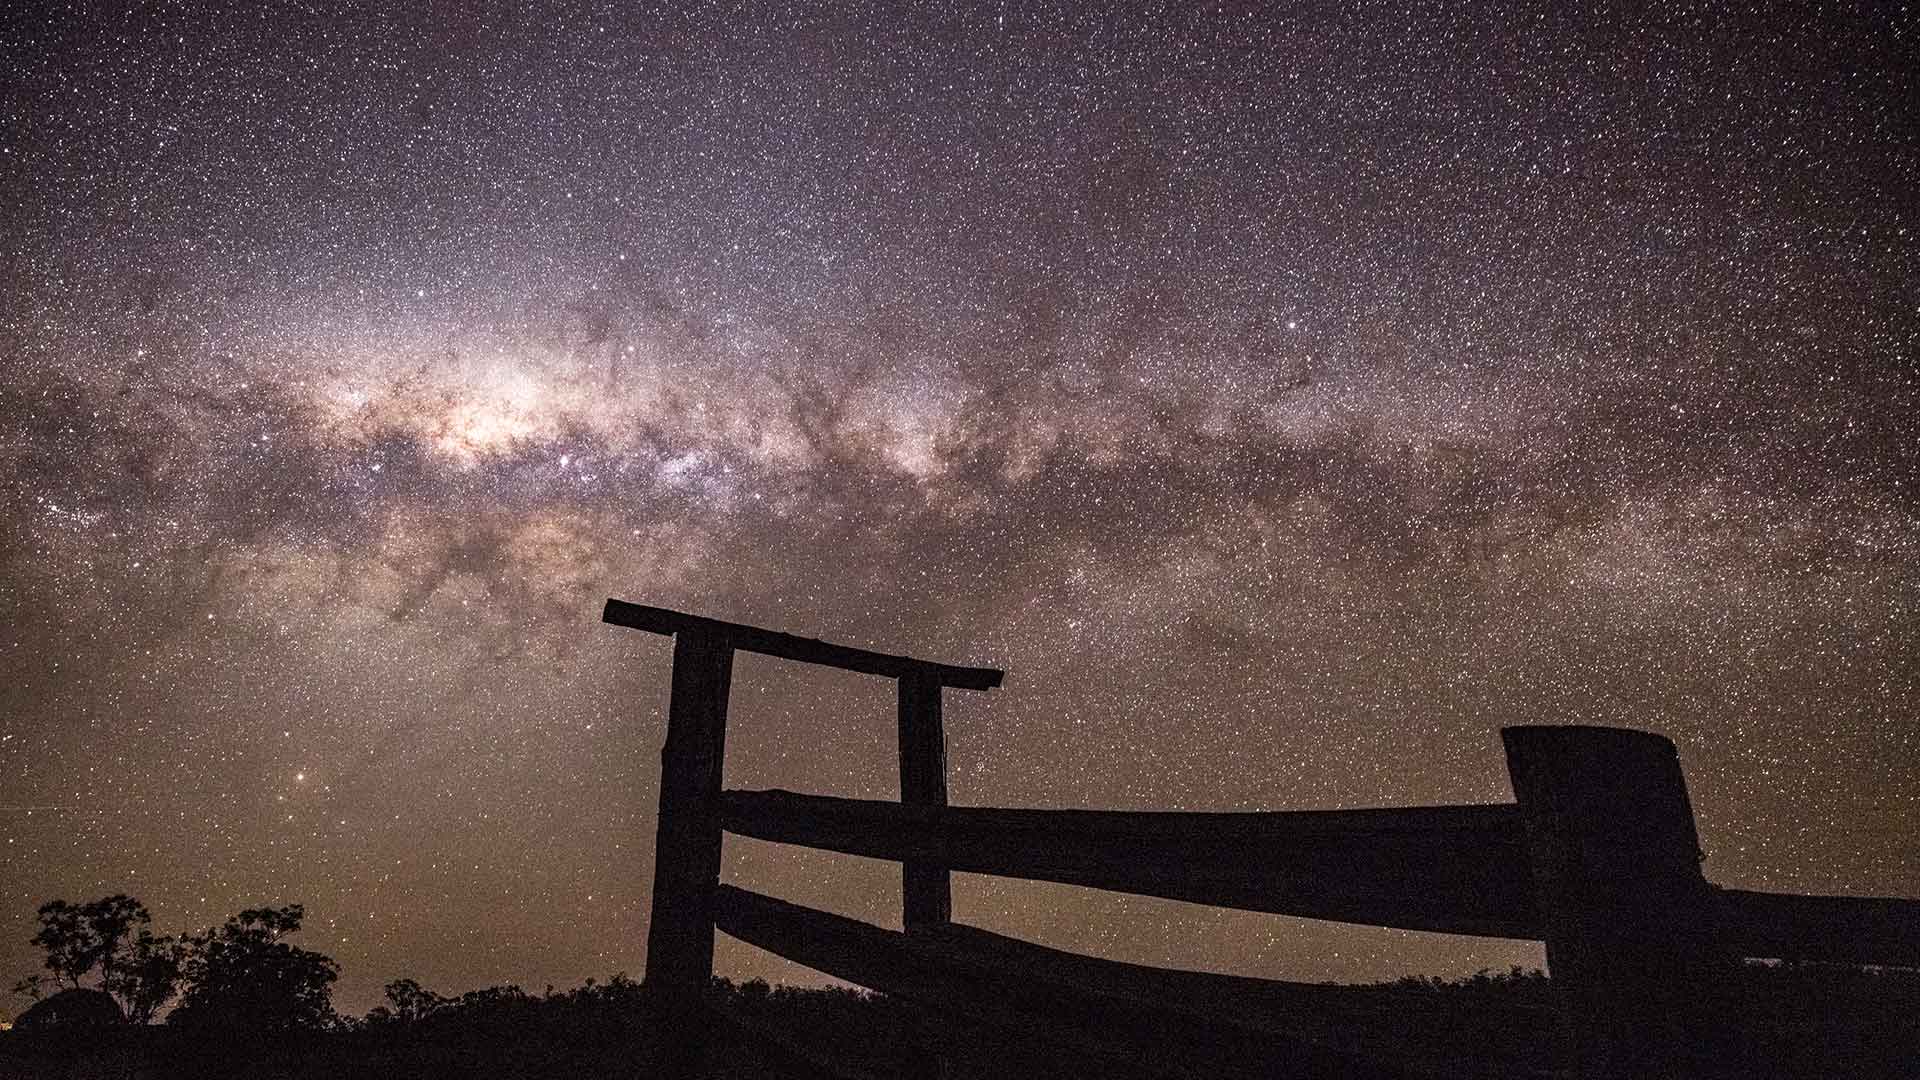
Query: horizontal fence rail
{"points": [[791, 647], [1325, 1013], [940, 970], [1452, 869], [1837, 929]]}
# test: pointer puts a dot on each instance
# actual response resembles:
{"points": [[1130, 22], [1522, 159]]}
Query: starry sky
{"points": [[1286, 400]]}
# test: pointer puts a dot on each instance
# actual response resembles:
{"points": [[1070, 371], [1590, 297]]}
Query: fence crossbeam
{"points": [[754, 639], [1839, 929], [1452, 869], [935, 970]]}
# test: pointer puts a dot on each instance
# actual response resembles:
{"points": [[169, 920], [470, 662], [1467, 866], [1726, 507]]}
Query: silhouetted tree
{"points": [[241, 976], [146, 976], [410, 1001], [108, 936], [78, 938]]}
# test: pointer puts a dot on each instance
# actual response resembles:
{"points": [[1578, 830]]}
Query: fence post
{"points": [[1616, 867], [686, 851], [926, 891]]}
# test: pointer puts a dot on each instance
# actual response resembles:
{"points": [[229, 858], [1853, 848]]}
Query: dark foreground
{"points": [[1779, 1022]]}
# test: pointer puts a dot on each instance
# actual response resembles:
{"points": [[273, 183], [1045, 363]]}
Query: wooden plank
{"points": [[1453, 869], [1616, 866], [1841, 929], [1110, 1026], [1358, 1019], [686, 850], [789, 647], [926, 890]]}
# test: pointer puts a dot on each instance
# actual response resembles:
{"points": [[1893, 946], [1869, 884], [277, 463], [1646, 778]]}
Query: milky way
{"points": [[1285, 402]]}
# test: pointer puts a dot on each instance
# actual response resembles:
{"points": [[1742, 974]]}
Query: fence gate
{"points": [[1598, 857]]}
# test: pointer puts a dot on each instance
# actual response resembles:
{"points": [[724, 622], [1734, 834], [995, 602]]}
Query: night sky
{"points": [[1286, 402]]}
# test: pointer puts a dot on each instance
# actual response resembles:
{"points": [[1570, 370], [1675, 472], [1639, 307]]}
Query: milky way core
{"points": [[1285, 402]]}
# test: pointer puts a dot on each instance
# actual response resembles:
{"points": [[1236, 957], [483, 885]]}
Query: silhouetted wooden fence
{"points": [[1598, 858]]}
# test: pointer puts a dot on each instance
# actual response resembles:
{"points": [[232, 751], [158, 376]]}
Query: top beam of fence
{"points": [[805, 650]]}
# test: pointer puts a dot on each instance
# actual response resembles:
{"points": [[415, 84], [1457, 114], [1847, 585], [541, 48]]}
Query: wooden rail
{"points": [[1598, 857], [939, 971], [790, 647], [1454, 869], [1837, 929]]}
